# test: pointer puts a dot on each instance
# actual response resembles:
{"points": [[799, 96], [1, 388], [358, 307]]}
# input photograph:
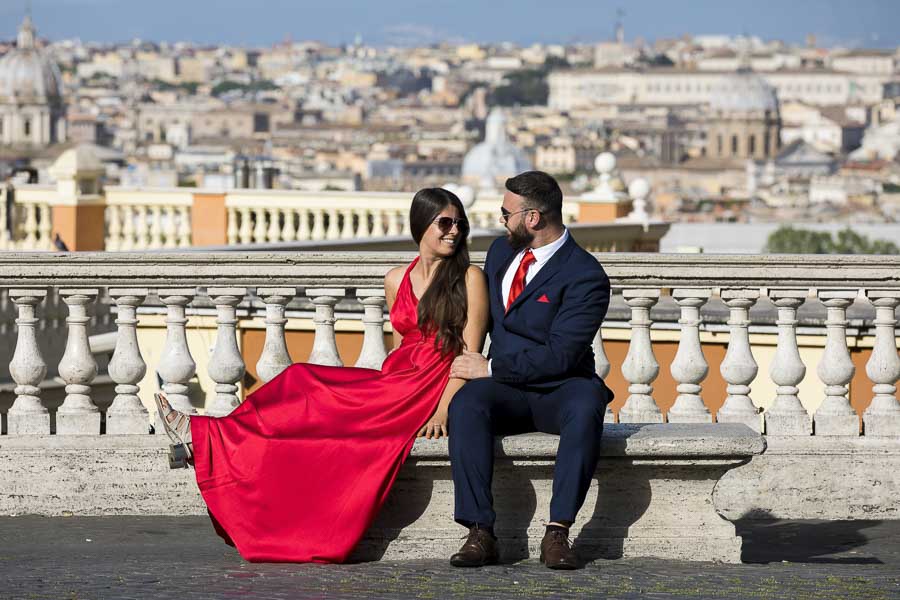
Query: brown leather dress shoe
{"points": [[556, 552], [479, 550]]}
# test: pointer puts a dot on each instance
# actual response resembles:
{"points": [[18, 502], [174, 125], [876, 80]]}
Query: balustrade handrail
{"points": [[367, 269]]}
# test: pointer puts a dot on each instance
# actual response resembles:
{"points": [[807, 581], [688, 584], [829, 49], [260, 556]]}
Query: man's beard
{"points": [[519, 237]]}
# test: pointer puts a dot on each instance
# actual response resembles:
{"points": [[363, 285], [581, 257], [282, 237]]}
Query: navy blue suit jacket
{"points": [[545, 338]]}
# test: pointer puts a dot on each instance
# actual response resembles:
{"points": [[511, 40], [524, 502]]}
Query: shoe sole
{"points": [[472, 565]]}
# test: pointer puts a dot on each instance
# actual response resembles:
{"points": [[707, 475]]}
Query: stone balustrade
{"points": [[225, 281], [151, 220], [29, 218], [270, 216]]}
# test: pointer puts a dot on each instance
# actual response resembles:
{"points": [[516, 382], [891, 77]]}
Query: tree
{"points": [[788, 240]]}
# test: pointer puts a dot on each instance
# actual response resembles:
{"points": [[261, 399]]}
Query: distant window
{"points": [[766, 145], [719, 144], [751, 149], [1, 126], [734, 145], [27, 127]]}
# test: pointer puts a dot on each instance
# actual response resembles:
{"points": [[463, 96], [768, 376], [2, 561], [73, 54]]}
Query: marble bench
{"points": [[652, 496]]}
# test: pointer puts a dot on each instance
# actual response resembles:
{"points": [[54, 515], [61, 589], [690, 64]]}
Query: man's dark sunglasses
{"points": [[445, 224]]}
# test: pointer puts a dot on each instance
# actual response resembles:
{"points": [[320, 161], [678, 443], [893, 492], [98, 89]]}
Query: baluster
{"points": [[347, 224], [78, 414], [142, 234], [484, 220], [362, 225], [318, 231], [303, 232], [324, 350], [246, 230], [373, 351], [739, 368], [128, 240], [275, 357], [226, 366], [31, 227], [114, 229], [259, 230], [378, 217], [27, 415], [882, 418], [289, 232], [405, 222], [273, 233], [602, 368], [787, 416], [170, 228], [231, 231], [835, 416], [176, 365], [127, 414], [640, 367], [395, 223], [333, 232], [156, 230], [45, 229], [689, 368], [184, 227]]}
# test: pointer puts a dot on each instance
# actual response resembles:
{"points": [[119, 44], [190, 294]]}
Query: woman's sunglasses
{"points": [[445, 224]]}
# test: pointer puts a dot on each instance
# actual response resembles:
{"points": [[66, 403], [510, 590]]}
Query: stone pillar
{"points": [[245, 232], [640, 367], [226, 365], [739, 368], [373, 353], [232, 230], [275, 357], [289, 233], [835, 416], [259, 228], [78, 206], [324, 350], [882, 418], [114, 233], [28, 369], [303, 232], [273, 233], [362, 225], [334, 230], [78, 414], [176, 365], [690, 367], [787, 416], [318, 230], [347, 227], [127, 367]]}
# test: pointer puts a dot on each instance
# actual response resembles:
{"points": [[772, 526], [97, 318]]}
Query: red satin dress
{"points": [[299, 470]]}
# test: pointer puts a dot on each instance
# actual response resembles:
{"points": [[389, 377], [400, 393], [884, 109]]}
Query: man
{"points": [[548, 298]]}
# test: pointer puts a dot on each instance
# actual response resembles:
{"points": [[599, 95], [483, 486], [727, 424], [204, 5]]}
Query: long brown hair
{"points": [[443, 307]]}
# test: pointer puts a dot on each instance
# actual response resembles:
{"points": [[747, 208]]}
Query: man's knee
{"points": [[472, 398], [582, 412]]}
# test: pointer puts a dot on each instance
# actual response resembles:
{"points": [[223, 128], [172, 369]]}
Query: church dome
{"points": [[744, 92], [496, 156], [27, 75]]}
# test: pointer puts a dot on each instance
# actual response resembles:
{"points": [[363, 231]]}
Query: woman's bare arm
{"points": [[473, 336]]}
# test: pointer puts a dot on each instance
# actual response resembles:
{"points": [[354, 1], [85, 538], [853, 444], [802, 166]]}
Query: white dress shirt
{"points": [[541, 256]]}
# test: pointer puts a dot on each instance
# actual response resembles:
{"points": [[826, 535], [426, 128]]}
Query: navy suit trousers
{"points": [[484, 408]]}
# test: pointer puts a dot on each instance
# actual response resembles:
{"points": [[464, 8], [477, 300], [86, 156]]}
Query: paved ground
{"points": [[155, 557]]}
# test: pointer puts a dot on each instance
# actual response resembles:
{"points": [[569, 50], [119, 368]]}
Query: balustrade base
{"points": [[698, 417], [127, 423], [641, 416], [882, 425], [28, 423], [751, 420], [837, 424], [789, 424], [78, 423]]}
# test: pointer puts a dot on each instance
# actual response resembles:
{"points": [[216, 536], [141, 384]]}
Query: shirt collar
{"points": [[545, 252]]}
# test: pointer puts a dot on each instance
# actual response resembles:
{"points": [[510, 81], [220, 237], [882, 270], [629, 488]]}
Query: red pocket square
{"points": [[544, 298]]}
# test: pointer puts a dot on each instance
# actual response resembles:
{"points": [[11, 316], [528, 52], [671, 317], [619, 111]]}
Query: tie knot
{"points": [[528, 257]]}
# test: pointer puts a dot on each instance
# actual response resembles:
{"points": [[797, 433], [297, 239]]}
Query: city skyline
{"points": [[867, 23]]}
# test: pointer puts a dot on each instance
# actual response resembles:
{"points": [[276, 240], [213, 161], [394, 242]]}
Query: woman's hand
{"points": [[436, 427]]}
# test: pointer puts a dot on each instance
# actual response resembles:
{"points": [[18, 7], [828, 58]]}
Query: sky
{"points": [[849, 23]]}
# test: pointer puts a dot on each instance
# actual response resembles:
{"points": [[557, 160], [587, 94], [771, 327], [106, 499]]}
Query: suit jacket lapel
{"points": [[552, 267]]}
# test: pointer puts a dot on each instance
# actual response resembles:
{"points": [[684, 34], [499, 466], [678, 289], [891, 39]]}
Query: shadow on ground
{"points": [[834, 542]]}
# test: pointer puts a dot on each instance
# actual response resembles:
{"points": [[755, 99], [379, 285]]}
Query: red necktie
{"points": [[518, 282]]}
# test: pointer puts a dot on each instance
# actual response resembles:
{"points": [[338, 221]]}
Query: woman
{"points": [[299, 470]]}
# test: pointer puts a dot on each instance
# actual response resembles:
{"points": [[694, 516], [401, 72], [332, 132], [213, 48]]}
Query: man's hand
{"points": [[469, 365]]}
